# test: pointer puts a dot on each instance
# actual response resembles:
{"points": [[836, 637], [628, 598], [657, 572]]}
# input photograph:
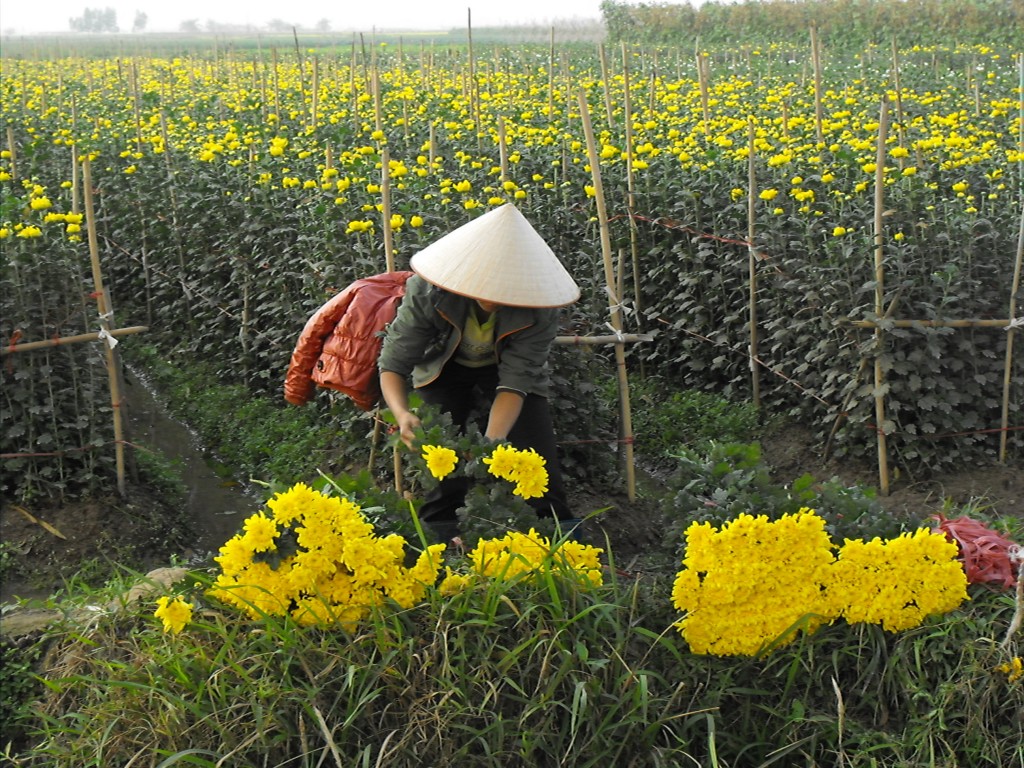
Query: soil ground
{"points": [[48, 545]]}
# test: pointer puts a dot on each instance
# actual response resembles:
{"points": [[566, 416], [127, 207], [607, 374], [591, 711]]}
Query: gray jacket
{"points": [[427, 331]]}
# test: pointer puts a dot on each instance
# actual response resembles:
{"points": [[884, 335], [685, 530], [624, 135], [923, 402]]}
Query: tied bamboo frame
{"points": [[1010, 324], [106, 313], [614, 310]]}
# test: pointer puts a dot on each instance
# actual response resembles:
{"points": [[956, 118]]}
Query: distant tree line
{"points": [[97, 20], [844, 23], [100, 20]]}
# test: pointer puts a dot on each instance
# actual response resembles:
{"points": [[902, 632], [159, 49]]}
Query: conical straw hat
{"points": [[498, 257]]}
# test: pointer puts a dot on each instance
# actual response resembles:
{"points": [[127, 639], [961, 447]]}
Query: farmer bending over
{"points": [[474, 331]]}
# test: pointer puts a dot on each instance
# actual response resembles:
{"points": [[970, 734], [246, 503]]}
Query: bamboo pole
{"points": [[702, 81], [755, 377], [614, 307], [389, 255], [302, 69], [1014, 291], [385, 177], [607, 83], [816, 60], [627, 111], [13, 149], [1020, 125], [897, 88], [277, 83], [474, 92], [314, 107], [106, 312], [136, 104], [75, 204], [883, 461], [551, 74], [621, 338], [76, 339], [503, 150], [930, 323]]}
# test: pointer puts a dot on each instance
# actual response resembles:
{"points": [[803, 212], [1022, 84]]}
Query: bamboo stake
{"points": [[315, 96], [503, 150], [755, 376], [301, 67], [1009, 342], [622, 338], [551, 74], [816, 59], [277, 83], [76, 339], [474, 92], [1020, 124], [385, 177], [627, 111], [607, 84], [899, 95], [389, 256], [883, 462], [12, 148], [136, 104], [75, 204], [930, 323], [105, 315], [614, 309], [702, 80]]}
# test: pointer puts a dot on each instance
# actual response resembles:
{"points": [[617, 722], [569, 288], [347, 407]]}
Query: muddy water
{"points": [[216, 505]]}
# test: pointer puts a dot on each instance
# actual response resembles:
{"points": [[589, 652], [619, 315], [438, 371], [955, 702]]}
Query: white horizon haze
{"points": [[413, 15]]}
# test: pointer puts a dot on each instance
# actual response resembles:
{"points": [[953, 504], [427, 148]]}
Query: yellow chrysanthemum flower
{"points": [[440, 461], [174, 614], [1013, 669], [502, 462]]}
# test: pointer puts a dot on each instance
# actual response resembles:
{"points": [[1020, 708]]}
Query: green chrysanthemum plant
{"points": [[500, 479]]}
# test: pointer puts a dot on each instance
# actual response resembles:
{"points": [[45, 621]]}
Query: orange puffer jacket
{"points": [[339, 346]]}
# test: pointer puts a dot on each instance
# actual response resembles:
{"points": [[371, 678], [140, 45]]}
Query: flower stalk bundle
{"points": [[317, 559], [755, 583]]}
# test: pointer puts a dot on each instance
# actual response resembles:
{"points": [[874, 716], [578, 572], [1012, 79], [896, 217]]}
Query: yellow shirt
{"points": [[477, 346]]}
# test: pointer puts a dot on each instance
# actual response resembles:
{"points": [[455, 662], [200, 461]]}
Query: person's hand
{"points": [[408, 422]]}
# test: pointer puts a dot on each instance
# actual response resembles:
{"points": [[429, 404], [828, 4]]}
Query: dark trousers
{"points": [[465, 392]]}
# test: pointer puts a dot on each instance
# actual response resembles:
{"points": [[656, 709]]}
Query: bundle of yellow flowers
{"points": [[524, 468], [516, 554], [317, 558], [899, 582], [746, 585], [755, 581]]}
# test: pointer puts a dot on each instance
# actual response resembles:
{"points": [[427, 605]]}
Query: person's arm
{"points": [[505, 410], [392, 388]]}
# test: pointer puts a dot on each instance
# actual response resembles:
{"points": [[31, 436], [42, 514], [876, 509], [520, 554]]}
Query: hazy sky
{"points": [[166, 16]]}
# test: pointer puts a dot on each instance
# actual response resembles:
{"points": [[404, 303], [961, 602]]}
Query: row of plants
{"points": [[230, 203], [846, 24]]}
